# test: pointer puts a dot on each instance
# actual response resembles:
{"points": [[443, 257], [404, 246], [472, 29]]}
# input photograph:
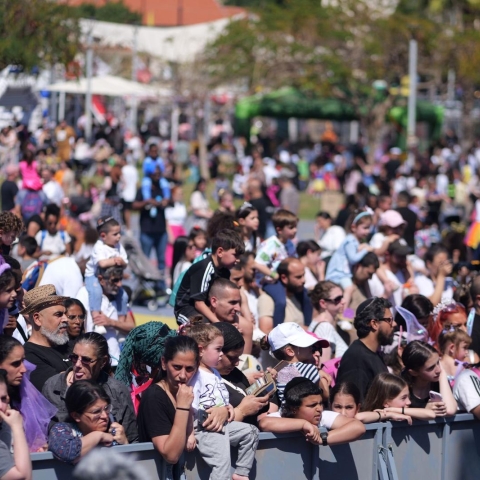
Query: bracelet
{"points": [[379, 416], [403, 410], [184, 409]]}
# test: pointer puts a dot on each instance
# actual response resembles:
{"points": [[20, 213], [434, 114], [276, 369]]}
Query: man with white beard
{"points": [[47, 348]]}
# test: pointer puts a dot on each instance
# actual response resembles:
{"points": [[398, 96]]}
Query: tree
{"points": [[337, 50], [116, 12], [36, 33]]}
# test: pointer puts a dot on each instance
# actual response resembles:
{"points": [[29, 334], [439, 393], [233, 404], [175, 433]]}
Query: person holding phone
{"points": [[248, 408], [424, 374], [89, 424]]}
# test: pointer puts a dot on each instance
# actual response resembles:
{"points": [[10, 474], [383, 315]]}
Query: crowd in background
{"points": [[371, 303]]}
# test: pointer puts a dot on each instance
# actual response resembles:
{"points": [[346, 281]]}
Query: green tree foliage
{"points": [[36, 33], [116, 12]]}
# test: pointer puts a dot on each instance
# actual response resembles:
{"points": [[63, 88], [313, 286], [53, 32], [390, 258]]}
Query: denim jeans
{"points": [[159, 243]]}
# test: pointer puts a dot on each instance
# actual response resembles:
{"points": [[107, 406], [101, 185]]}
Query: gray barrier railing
{"points": [[436, 450]]}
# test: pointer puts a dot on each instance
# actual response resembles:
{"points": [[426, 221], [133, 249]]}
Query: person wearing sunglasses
{"points": [[76, 314], [89, 423], [327, 299], [91, 361], [375, 327]]}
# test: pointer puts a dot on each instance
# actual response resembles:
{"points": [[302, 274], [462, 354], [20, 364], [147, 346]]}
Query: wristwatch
{"points": [[324, 437]]}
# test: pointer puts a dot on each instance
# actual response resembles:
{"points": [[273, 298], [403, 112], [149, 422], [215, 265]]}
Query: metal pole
{"points": [[451, 85], [88, 96], [61, 106], [412, 95], [134, 106]]}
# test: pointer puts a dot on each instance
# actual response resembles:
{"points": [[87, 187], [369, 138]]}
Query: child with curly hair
{"points": [[10, 228]]}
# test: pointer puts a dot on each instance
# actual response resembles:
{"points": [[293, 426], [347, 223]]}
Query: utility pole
{"points": [[88, 96], [134, 106], [412, 94]]}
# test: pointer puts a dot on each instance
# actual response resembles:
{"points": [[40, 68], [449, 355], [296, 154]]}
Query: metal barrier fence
{"points": [[437, 450]]}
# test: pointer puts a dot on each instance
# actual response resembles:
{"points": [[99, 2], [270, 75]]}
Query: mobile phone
{"points": [[435, 396]]}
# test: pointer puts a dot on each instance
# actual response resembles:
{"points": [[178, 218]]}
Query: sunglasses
{"points": [[388, 320], [83, 360], [335, 300], [74, 317]]}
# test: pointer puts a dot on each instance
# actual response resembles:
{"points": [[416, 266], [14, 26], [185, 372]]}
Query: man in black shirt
{"points": [[47, 348], [9, 188], [403, 200], [361, 363], [192, 295], [153, 230]]}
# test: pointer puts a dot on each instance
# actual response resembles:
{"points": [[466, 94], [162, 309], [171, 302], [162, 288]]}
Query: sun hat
{"points": [[41, 298], [392, 219], [291, 333]]}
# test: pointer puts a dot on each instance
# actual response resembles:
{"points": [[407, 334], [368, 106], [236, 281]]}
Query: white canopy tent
{"points": [[111, 86]]}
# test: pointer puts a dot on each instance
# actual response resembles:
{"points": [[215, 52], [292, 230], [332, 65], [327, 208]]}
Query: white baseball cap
{"points": [[291, 333]]}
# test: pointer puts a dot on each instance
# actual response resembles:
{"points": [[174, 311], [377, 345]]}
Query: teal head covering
{"points": [[144, 344]]}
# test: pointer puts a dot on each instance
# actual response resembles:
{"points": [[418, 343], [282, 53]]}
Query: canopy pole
{"points": [[412, 94], [134, 105], [88, 96]]}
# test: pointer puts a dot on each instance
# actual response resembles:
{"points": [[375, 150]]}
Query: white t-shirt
{"points": [[426, 287], [65, 274], [310, 280], [377, 289], [129, 180], [101, 251], [252, 300], [327, 420], [327, 331], [176, 215], [331, 240], [377, 240], [112, 334], [208, 390], [467, 390], [52, 243], [54, 192]]}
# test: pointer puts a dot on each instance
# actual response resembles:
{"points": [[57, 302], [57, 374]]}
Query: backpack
{"points": [[44, 234], [33, 280], [32, 205]]}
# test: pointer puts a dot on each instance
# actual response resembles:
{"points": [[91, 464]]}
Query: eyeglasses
{"points": [[73, 357], [74, 317], [335, 300], [98, 413], [388, 320]]}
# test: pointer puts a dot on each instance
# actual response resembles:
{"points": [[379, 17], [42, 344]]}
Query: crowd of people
{"points": [[373, 315]]}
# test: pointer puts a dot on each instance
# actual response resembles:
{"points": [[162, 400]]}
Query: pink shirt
{"points": [[30, 177]]}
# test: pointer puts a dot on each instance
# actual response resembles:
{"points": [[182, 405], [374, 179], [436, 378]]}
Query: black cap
{"points": [[399, 247]]}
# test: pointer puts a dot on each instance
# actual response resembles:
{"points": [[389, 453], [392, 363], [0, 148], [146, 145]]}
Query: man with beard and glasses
{"points": [[295, 305], [107, 323], [47, 348], [375, 326]]}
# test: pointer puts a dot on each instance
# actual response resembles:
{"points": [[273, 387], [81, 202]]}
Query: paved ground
{"points": [[165, 314]]}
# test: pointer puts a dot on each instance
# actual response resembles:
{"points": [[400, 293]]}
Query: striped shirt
{"points": [[196, 283], [294, 370]]}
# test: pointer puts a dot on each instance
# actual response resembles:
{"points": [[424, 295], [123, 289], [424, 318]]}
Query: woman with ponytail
{"points": [[91, 361]]}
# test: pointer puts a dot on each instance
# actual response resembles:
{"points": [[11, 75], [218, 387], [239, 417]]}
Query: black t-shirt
{"points": [[422, 402], [151, 224], [239, 380], [411, 218], [155, 418], [8, 191], [360, 366], [475, 345], [196, 283], [49, 362], [263, 207]]}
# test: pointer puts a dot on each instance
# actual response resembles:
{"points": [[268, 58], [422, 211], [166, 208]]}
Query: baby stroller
{"points": [[144, 290]]}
